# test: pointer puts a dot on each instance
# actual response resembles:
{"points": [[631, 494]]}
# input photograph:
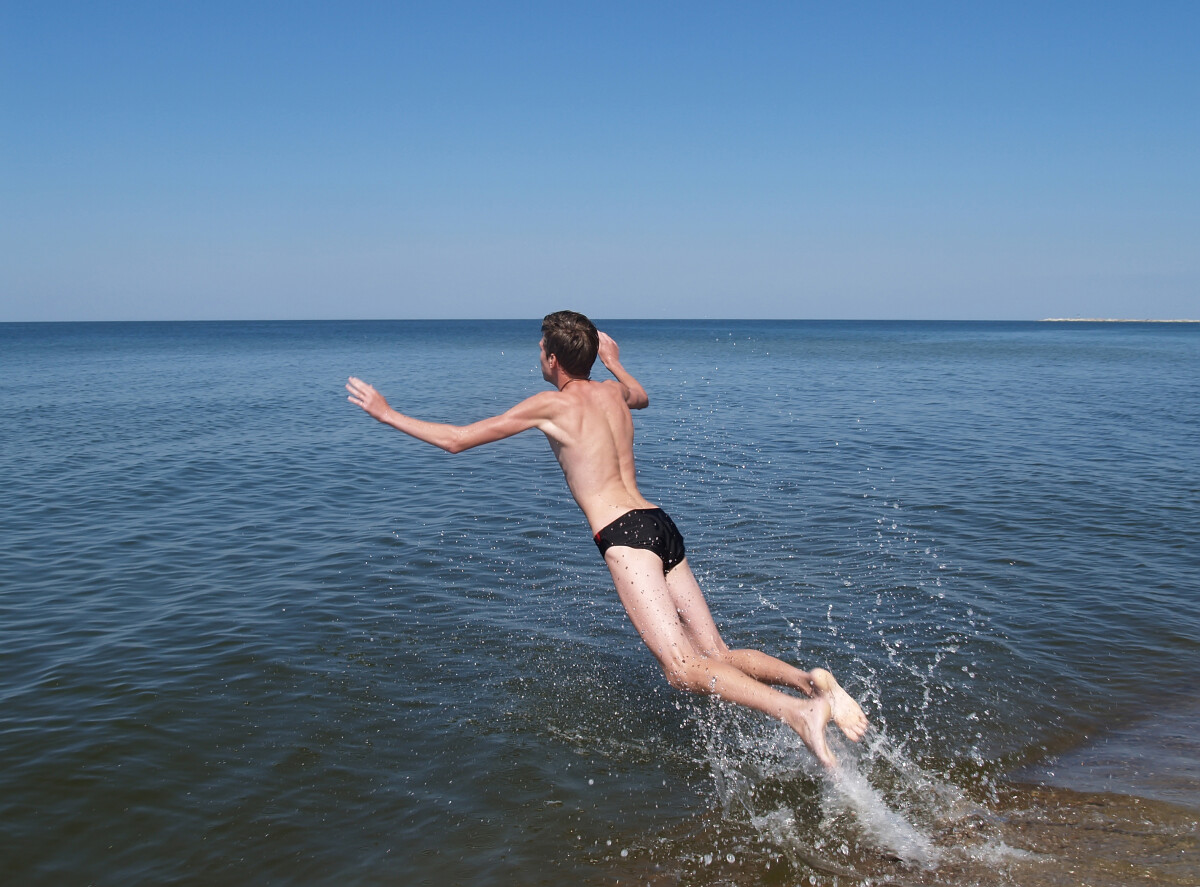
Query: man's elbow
{"points": [[455, 445], [639, 400], [454, 442]]}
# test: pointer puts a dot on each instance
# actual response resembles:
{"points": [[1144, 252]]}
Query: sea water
{"points": [[247, 635]]}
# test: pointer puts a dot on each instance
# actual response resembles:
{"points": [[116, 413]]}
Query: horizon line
{"points": [[623, 319]]}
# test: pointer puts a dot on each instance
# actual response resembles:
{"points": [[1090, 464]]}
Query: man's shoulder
{"points": [[551, 403], [617, 391], [541, 402]]}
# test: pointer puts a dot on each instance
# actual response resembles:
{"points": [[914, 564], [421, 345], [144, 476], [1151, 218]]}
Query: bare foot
{"points": [[846, 713], [809, 718]]}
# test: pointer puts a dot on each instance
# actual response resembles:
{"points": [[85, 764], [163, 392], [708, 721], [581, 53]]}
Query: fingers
{"points": [[608, 347], [359, 390]]}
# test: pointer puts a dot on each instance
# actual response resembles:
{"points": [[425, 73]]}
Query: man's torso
{"points": [[591, 434]]}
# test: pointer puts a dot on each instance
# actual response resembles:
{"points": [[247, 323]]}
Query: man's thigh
{"points": [[648, 600], [693, 610]]}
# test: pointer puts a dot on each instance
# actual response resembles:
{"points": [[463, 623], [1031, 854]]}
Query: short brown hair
{"points": [[573, 339]]}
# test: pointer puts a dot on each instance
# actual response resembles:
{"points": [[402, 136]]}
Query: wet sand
{"points": [[1034, 837]]}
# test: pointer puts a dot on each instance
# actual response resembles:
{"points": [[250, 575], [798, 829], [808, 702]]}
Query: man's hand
{"points": [[363, 395], [610, 356], [608, 352]]}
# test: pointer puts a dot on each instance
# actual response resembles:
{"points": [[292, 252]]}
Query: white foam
{"points": [[848, 791]]}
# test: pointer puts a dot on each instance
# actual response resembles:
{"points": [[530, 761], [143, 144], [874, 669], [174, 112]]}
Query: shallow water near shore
{"points": [[248, 635]]}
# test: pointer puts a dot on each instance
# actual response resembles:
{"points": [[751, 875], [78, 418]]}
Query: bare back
{"points": [[591, 433]]}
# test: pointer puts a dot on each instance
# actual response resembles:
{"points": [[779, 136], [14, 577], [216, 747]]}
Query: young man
{"points": [[590, 429]]}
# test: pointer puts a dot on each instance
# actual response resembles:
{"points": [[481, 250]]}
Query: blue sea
{"points": [[250, 636]]}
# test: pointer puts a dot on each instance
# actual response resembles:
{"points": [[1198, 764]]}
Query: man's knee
{"points": [[687, 673], [718, 650]]}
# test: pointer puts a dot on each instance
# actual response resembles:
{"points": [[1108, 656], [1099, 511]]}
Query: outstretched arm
{"points": [[610, 356], [529, 413]]}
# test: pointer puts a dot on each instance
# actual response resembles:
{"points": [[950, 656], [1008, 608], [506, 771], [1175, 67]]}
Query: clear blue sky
{"points": [[196, 160]]}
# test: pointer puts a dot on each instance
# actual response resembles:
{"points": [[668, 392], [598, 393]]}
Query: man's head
{"points": [[572, 339]]}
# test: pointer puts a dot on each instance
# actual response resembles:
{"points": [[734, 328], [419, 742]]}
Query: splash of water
{"points": [[847, 792], [878, 804]]}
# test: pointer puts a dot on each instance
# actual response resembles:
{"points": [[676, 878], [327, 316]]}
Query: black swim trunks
{"points": [[648, 528]]}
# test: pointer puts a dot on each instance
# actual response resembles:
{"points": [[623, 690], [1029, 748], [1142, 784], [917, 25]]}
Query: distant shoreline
{"points": [[1113, 320]]}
